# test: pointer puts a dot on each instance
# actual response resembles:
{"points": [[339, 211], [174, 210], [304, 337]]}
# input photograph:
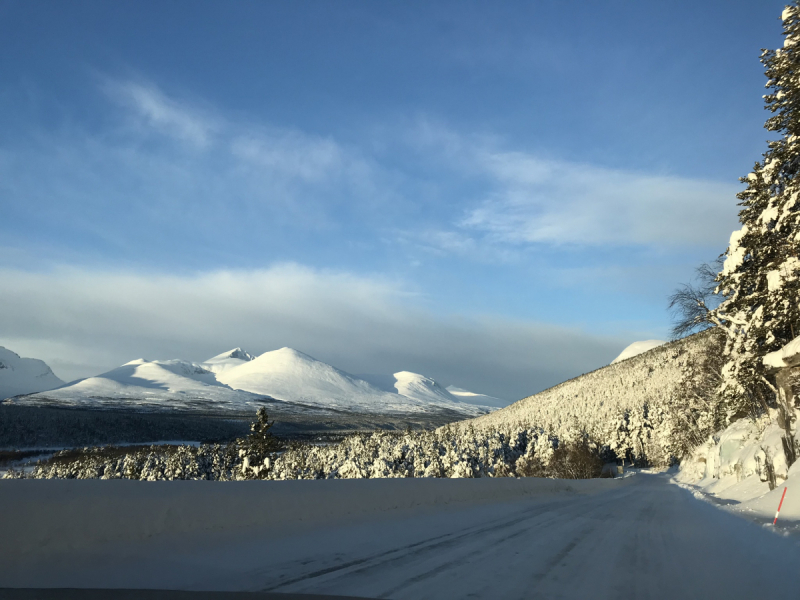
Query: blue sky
{"points": [[499, 195]]}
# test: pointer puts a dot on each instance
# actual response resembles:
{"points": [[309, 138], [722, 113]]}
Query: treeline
{"points": [[447, 452]]}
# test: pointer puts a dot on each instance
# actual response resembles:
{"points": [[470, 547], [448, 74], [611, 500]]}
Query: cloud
{"points": [[156, 110], [546, 201], [519, 198], [86, 321]]}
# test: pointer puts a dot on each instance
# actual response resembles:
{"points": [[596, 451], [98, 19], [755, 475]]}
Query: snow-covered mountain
{"points": [[236, 380], [472, 398], [637, 348], [292, 376], [24, 375], [425, 389], [420, 387]]}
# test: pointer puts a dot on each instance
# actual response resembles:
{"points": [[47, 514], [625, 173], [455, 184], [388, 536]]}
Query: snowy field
{"points": [[638, 537]]}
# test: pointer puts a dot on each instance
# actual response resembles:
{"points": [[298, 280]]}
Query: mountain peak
{"points": [[235, 354]]}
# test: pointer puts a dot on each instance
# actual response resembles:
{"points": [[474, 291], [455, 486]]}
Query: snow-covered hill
{"points": [[637, 348], [236, 380], [24, 375], [625, 405]]}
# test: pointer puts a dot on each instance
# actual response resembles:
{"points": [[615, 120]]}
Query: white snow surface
{"points": [[637, 348], [783, 357], [236, 380], [474, 398], [24, 375], [728, 470], [637, 537]]}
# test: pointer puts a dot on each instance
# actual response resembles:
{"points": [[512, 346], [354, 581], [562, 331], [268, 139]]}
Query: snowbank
{"points": [[730, 470]]}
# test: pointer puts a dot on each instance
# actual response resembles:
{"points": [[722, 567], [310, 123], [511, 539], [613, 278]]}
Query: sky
{"points": [[499, 195]]}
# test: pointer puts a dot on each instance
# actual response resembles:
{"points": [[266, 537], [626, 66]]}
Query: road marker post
{"points": [[779, 507]]}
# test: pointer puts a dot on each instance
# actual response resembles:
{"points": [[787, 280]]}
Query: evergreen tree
{"points": [[758, 282], [258, 449]]}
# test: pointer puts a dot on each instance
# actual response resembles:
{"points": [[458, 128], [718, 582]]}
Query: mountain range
{"points": [[239, 381]]}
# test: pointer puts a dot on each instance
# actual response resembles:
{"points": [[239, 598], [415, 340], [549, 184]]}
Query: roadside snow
{"points": [[729, 470]]}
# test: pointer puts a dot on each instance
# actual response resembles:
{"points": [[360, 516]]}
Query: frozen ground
{"points": [[640, 537]]}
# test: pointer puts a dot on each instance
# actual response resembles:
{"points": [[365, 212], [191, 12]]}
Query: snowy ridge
{"points": [[623, 405], [24, 375]]}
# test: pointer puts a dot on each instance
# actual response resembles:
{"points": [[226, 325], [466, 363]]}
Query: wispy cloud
{"points": [[521, 198], [545, 201], [358, 323], [154, 110]]}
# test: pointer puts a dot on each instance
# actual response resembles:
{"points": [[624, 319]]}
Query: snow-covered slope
{"points": [[623, 405], [637, 348], [151, 384], [227, 360], [472, 398], [24, 375]]}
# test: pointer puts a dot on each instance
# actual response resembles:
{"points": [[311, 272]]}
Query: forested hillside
{"points": [[637, 407]]}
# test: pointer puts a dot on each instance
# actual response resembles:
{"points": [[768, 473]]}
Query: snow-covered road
{"points": [[638, 538]]}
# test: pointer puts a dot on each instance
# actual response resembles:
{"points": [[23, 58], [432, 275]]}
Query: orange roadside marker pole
{"points": [[779, 506]]}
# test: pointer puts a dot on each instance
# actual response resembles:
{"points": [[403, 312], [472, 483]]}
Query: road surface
{"points": [[639, 538]]}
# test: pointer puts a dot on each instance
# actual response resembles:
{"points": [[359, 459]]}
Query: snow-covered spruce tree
{"points": [[759, 280], [258, 449]]}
